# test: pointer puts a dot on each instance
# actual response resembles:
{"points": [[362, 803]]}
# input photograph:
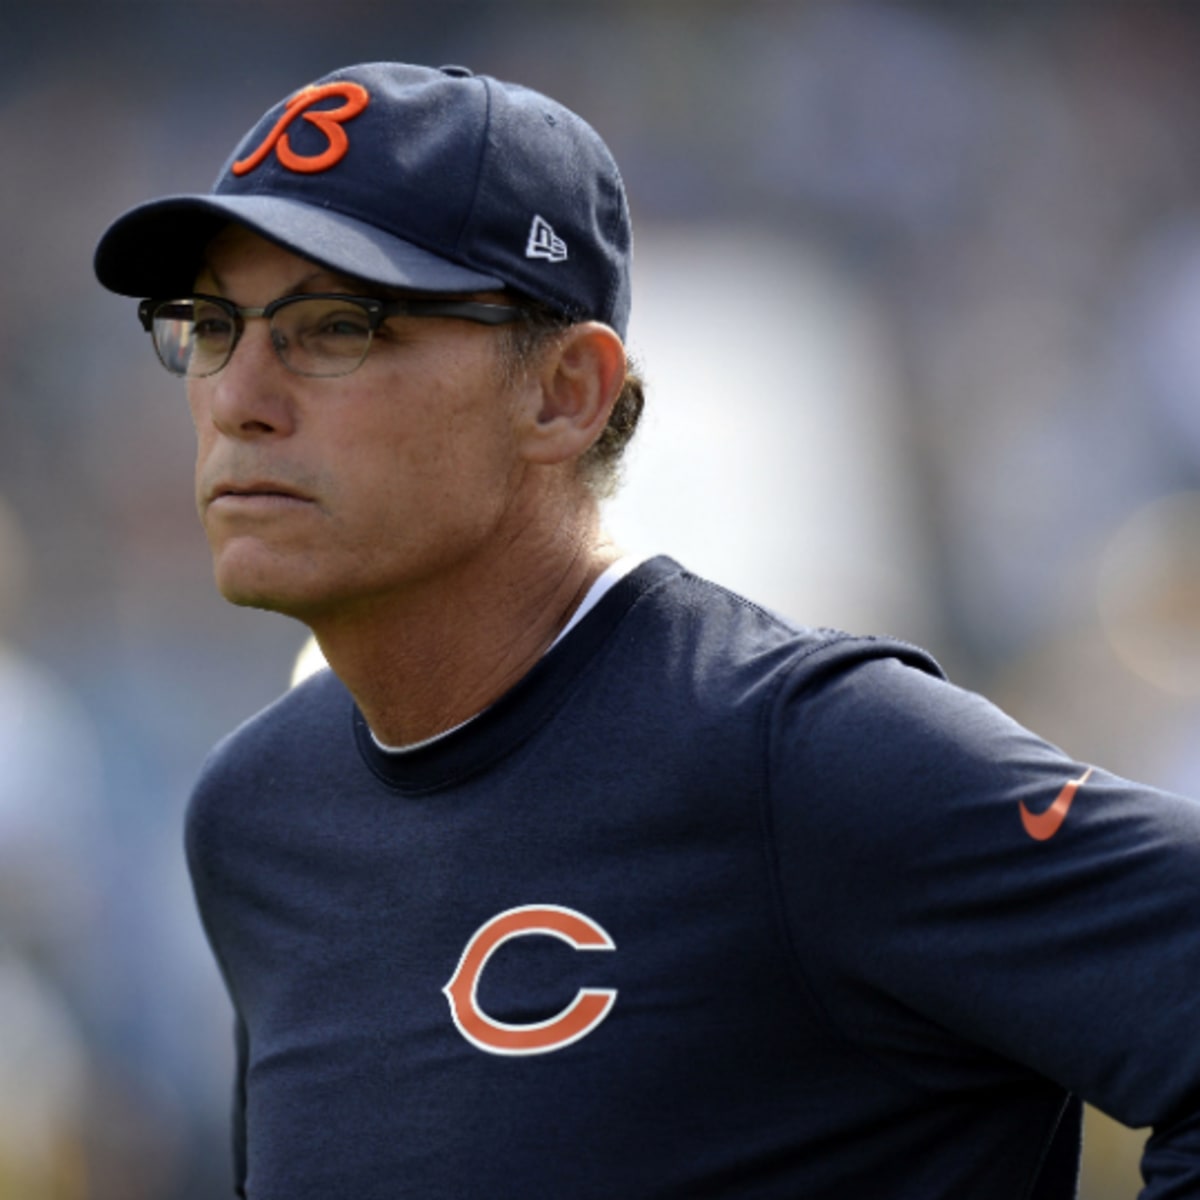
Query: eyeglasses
{"points": [[319, 335]]}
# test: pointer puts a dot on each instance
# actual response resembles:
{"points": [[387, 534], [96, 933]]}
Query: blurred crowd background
{"points": [[916, 298]]}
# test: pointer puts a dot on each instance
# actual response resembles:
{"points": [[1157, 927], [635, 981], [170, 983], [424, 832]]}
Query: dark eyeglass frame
{"points": [[377, 311]]}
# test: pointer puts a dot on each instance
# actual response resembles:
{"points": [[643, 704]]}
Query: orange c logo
{"points": [[328, 120], [577, 1020]]}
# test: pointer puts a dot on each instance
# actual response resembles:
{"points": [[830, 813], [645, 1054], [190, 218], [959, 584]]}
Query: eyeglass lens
{"points": [[320, 336]]}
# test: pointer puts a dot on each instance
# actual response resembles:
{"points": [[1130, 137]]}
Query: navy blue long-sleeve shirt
{"points": [[706, 906]]}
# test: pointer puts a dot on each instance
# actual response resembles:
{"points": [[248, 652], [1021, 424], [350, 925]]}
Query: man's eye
{"points": [[210, 328], [343, 325]]}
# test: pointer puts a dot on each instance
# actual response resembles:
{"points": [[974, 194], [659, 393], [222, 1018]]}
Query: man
{"points": [[577, 876]]}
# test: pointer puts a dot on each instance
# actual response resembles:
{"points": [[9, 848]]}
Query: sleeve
{"points": [[198, 850], [955, 885], [238, 1129]]}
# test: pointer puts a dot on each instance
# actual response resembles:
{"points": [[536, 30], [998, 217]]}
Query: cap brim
{"points": [[157, 248]]}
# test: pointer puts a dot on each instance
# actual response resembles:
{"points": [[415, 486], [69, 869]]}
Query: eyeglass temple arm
{"points": [[470, 310]]}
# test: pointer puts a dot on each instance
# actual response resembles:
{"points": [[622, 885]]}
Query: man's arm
{"points": [[944, 864], [239, 1108]]}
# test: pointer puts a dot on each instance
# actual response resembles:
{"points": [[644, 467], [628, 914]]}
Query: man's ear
{"points": [[578, 382]]}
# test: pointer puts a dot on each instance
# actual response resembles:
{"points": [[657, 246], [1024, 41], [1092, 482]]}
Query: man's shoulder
{"points": [[726, 627], [304, 717]]}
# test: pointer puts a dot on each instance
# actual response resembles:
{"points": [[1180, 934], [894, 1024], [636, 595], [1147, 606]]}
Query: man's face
{"points": [[323, 497]]}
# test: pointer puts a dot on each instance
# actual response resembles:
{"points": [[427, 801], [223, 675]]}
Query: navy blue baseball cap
{"points": [[422, 179]]}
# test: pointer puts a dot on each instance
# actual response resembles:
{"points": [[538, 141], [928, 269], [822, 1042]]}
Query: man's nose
{"points": [[253, 393]]}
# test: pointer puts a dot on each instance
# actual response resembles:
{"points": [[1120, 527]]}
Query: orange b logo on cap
{"points": [[328, 120]]}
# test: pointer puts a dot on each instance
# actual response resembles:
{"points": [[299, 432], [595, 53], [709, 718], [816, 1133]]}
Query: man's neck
{"points": [[428, 660]]}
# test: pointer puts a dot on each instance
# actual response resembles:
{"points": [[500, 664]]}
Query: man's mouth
{"points": [[261, 493]]}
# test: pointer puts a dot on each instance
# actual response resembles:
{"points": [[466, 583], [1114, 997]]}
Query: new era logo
{"points": [[544, 242]]}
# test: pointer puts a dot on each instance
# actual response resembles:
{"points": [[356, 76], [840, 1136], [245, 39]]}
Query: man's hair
{"points": [[521, 345]]}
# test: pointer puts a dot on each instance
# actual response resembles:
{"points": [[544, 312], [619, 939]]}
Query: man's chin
{"points": [[249, 578], [266, 595], [264, 603], [288, 598]]}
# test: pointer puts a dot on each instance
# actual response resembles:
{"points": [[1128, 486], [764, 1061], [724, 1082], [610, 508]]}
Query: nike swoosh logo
{"points": [[1044, 825]]}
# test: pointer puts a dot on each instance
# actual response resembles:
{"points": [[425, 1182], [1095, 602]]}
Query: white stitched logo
{"points": [[544, 242]]}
